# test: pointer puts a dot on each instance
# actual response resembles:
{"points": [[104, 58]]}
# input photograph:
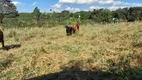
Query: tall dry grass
{"points": [[46, 50]]}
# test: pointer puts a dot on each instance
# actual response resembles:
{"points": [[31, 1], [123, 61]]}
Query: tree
{"points": [[83, 14], [6, 8], [101, 15], [121, 14], [135, 13], [37, 13], [129, 14], [65, 14]]}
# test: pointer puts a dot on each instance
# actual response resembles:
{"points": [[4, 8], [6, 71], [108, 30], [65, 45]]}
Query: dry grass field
{"points": [[109, 48]]}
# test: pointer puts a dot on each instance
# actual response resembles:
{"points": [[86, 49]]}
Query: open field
{"points": [[109, 48]]}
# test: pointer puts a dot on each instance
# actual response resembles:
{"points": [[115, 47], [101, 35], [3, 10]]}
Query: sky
{"points": [[73, 5]]}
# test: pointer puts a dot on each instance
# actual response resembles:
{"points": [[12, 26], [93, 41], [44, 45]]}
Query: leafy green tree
{"points": [[101, 15], [123, 13], [129, 14], [37, 13], [135, 13], [84, 15], [6, 8], [65, 14]]}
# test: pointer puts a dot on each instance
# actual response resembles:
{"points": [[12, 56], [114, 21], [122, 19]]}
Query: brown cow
{"points": [[2, 39], [75, 27]]}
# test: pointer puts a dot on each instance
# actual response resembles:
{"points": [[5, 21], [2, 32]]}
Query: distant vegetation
{"points": [[36, 18]]}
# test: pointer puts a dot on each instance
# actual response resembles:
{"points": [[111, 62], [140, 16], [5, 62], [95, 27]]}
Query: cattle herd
{"points": [[72, 29], [69, 31]]}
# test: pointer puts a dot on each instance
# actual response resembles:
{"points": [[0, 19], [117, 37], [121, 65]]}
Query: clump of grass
{"points": [[95, 54], [6, 61], [67, 48], [137, 39], [49, 42], [12, 34]]}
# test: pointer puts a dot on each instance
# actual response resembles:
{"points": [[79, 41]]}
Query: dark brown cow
{"points": [[2, 39], [75, 27]]}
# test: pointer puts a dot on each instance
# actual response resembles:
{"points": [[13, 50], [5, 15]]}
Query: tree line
{"points": [[97, 15], [8, 10]]}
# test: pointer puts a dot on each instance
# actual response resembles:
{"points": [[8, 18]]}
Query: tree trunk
{"points": [[1, 20]]}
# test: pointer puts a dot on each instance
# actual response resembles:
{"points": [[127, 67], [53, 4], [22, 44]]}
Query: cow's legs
{"points": [[73, 31], [2, 44]]}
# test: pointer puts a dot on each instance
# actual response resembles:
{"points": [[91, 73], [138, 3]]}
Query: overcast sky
{"points": [[73, 5]]}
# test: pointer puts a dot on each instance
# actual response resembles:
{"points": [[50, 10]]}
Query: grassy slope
{"points": [[47, 50]]}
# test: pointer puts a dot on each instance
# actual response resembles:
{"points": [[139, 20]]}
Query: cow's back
{"points": [[75, 27]]}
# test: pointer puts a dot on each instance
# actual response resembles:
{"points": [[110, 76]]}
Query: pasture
{"points": [[108, 48]]}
